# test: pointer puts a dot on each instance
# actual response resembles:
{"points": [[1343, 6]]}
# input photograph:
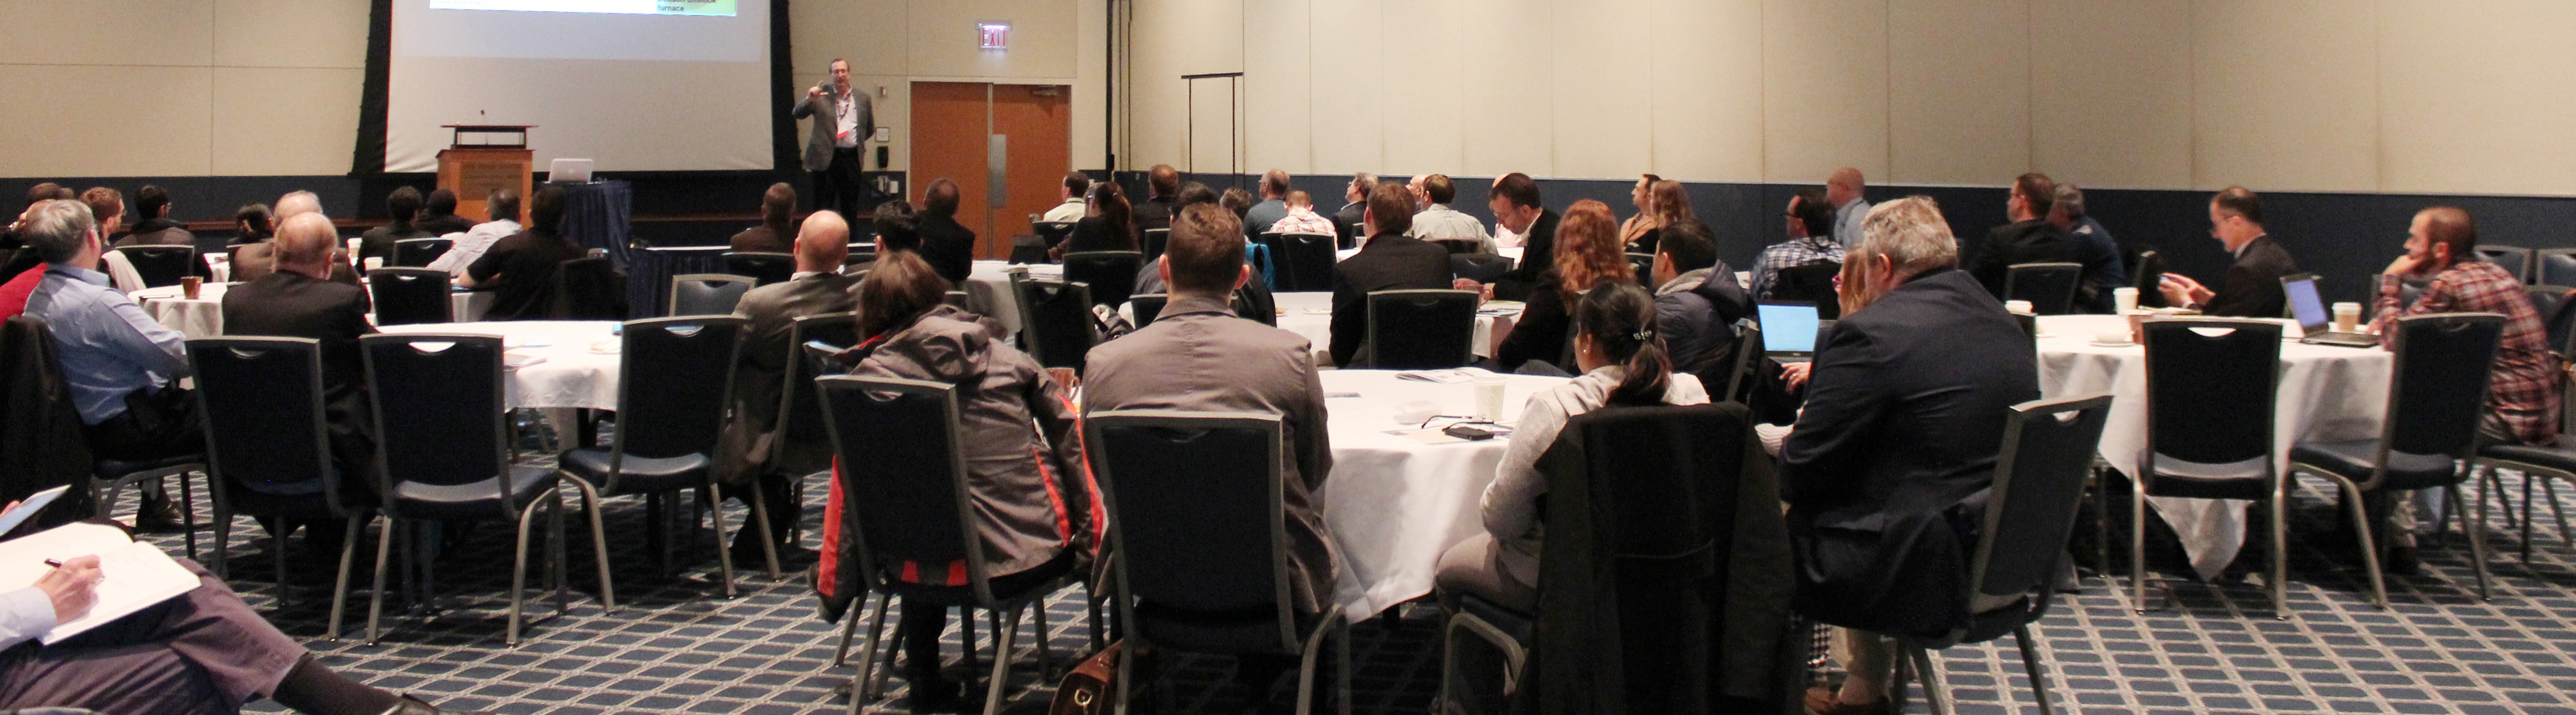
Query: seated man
{"points": [[252, 260], [121, 366], [777, 223], [2092, 246], [1811, 241], [520, 270], [1905, 413], [1390, 260], [2030, 238], [2252, 288], [1076, 186], [504, 205], [401, 208], [1697, 302], [1448, 227], [1301, 219], [896, 233], [107, 207], [759, 378], [300, 301], [1515, 202], [949, 246], [438, 214], [152, 206], [1198, 356], [202, 652]]}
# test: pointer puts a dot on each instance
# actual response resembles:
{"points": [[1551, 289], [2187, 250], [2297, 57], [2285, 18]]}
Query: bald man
{"points": [[251, 261], [300, 300], [745, 452], [1844, 192]]}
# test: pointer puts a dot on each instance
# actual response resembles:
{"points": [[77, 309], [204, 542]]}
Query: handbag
{"points": [[1091, 686]]}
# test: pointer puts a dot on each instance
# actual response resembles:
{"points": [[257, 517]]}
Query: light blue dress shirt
{"points": [[108, 346], [25, 614], [1847, 221]]}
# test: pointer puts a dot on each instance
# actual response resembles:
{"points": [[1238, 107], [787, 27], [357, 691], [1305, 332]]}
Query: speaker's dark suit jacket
{"points": [[1905, 413], [286, 304], [1390, 261], [2252, 288]]}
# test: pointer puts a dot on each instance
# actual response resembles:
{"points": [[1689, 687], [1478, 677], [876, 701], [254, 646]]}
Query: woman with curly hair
{"points": [[1587, 252]]}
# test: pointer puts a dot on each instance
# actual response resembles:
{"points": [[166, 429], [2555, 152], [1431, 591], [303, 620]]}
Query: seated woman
{"points": [[1623, 364], [1107, 224], [1023, 458], [1587, 252]]}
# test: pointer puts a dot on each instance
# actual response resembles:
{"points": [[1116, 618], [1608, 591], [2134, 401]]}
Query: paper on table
{"points": [[133, 575]]}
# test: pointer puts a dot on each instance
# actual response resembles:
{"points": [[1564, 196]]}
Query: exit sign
{"points": [[997, 35]]}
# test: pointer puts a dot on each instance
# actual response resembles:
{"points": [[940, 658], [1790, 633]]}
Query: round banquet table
{"points": [[988, 289], [2325, 393], [1309, 314], [1394, 503], [550, 363], [203, 316]]}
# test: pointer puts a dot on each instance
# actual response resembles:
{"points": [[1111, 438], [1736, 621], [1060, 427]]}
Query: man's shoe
{"points": [[2401, 561], [934, 694], [158, 515]]}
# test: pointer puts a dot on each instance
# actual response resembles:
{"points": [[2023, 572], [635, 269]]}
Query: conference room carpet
{"points": [[673, 647]]}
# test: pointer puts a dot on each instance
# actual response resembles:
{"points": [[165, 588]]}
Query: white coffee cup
{"points": [[2017, 306], [2347, 317], [2114, 336], [1489, 396], [374, 262], [2124, 300]]}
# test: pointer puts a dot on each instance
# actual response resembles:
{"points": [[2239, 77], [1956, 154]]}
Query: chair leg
{"points": [[2527, 479], [384, 556], [519, 575], [863, 682], [2101, 523], [188, 522], [1038, 631], [2279, 581], [277, 547], [724, 556], [339, 584], [2369, 545], [1342, 669], [2032, 663], [598, 545], [1010, 623], [2138, 545], [1936, 693], [768, 538], [557, 578], [1126, 682], [223, 543], [2550, 485], [1091, 599], [849, 631], [2478, 536]]}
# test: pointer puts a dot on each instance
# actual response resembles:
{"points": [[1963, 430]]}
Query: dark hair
{"points": [[2037, 191], [777, 205], [1517, 188], [2240, 201], [898, 290], [940, 199], [1115, 212], [503, 203], [2452, 225], [104, 203], [1275, 183], [1236, 200], [42, 192], [895, 228], [257, 223], [442, 202], [403, 204], [150, 201], [1390, 207], [1205, 252], [1438, 189], [1163, 180], [1197, 193], [546, 208], [1076, 182], [1815, 212], [1689, 244], [1620, 317]]}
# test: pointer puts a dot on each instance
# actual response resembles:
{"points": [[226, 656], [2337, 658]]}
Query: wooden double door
{"points": [[1006, 145]]}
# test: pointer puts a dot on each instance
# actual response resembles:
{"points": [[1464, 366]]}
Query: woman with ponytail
{"points": [[1624, 364]]}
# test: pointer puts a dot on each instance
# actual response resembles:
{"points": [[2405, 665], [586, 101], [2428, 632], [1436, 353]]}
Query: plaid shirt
{"points": [[2524, 391], [1792, 253], [1303, 221]]}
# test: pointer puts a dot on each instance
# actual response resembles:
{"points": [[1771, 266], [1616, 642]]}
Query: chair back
{"points": [[1147, 306], [800, 408], [957, 299], [675, 382], [2210, 397], [1740, 381], [902, 472], [1479, 267], [405, 296], [2554, 266], [1053, 232], [2561, 317], [419, 252], [1154, 239], [160, 265], [2545, 300], [1056, 322], [2438, 393], [1644, 264], [2146, 271], [1110, 274], [2515, 260], [588, 288], [2050, 287], [707, 293], [2039, 484], [262, 402], [1421, 329], [763, 267], [438, 410], [1305, 263], [1811, 282], [1196, 510]]}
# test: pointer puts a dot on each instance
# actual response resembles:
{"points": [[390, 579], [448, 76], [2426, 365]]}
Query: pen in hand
{"points": [[54, 563]]}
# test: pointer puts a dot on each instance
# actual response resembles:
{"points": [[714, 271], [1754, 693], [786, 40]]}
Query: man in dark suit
{"points": [[1515, 202], [1164, 184], [1389, 261], [843, 121], [2252, 288], [520, 268], [1347, 219], [298, 300], [401, 207], [948, 246], [1905, 411], [743, 453], [438, 215], [2030, 238]]}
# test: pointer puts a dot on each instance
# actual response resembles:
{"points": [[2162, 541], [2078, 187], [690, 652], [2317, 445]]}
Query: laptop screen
{"points": [[1787, 326], [2304, 303]]}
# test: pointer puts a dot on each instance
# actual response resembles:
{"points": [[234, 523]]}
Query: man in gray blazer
{"points": [[760, 379], [843, 120]]}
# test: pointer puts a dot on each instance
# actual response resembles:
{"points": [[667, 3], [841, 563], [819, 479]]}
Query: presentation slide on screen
{"points": [[718, 8]]}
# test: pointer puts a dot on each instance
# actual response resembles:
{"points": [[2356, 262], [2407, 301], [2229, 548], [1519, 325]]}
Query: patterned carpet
{"points": [[675, 646]]}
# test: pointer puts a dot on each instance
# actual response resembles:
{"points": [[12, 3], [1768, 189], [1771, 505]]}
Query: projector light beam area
{"points": [[703, 8]]}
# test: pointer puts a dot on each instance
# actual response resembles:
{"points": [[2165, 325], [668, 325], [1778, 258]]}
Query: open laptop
{"points": [[1789, 329], [568, 171], [2314, 320]]}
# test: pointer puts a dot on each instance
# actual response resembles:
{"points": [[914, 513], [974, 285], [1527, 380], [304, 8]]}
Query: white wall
{"points": [[892, 43], [2430, 96]]}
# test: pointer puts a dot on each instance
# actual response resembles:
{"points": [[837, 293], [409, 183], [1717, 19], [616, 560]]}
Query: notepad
{"points": [[134, 575]]}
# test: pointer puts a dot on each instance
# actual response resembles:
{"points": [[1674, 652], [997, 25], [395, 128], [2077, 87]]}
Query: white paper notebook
{"points": [[133, 575]]}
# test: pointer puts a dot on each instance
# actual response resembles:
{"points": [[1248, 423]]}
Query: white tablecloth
{"points": [[2325, 393], [1393, 503], [1511, 252], [988, 289], [574, 372], [1310, 314], [203, 316]]}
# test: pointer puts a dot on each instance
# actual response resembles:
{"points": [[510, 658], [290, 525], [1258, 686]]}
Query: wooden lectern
{"points": [[484, 157]]}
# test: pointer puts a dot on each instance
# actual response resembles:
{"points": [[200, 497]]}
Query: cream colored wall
{"points": [[2430, 96], [893, 43], [180, 87]]}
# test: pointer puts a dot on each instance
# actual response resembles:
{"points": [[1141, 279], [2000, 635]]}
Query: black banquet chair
{"points": [[707, 293], [2039, 485], [419, 252], [2435, 400], [442, 456], [1196, 516], [2515, 260], [589, 288], [1147, 307], [1055, 321], [160, 265], [675, 383], [2146, 271], [802, 446], [1644, 264], [2050, 287], [1110, 274], [1479, 267], [407, 296], [1152, 242], [1305, 263], [2554, 266], [268, 453], [2544, 465], [1421, 329], [2211, 393], [763, 268]]}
